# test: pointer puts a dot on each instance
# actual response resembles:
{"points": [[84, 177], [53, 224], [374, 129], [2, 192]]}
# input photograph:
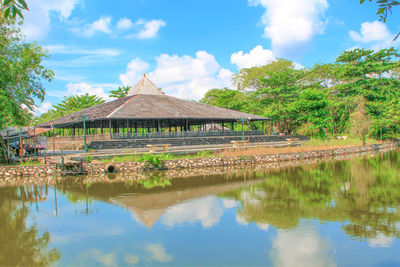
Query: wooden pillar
{"points": [[158, 126], [232, 126], [223, 127]]}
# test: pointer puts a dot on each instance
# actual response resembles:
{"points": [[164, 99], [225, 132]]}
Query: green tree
{"points": [[313, 105], [374, 76], [120, 92], [277, 88], [359, 120], [226, 98], [21, 74]]}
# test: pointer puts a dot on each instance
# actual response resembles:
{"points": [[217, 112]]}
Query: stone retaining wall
{"points": [[48, 174]]}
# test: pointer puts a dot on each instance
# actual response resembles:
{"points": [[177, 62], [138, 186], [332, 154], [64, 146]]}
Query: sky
{"points": [[189, 47]]}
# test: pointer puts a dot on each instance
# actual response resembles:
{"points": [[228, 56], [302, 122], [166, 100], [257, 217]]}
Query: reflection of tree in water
{"points": [[365, 192], [154, 179], [21, 245]]}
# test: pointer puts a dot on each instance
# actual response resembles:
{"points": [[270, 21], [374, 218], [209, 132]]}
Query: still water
{"points": [[336, 213]]}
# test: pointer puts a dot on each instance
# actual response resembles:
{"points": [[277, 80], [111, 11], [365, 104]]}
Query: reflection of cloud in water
{"points": [[381, 240], [228, 203], [263, 226], [85, 234], [158, 253], [301, 247], [95, 255], [241, 220], [207, 210], [131, 259]]}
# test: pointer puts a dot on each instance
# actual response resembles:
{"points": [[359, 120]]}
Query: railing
{"points": [[183, 134]]}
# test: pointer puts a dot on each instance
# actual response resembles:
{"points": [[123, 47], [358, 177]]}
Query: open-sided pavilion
{"points": [[146, 112]]}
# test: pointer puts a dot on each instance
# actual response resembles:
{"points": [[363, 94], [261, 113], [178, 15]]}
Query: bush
{"points": [[153, 161]]}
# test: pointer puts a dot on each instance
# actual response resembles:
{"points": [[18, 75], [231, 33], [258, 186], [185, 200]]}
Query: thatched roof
{"points": [[146, 106]]}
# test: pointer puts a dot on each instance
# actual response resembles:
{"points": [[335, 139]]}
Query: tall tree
{"points": [[226, 98], [21, 74]]}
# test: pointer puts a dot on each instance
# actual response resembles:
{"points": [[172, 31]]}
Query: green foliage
{"points": [[384, 7], [204, 154], [155, 180], [3, 152], [21, 75], [12, 8], [321, 101], [120, 92], [153, 161], [226, 98], [88, 158]]}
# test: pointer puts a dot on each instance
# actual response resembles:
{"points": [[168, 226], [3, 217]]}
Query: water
{"points": [[337, 213]]}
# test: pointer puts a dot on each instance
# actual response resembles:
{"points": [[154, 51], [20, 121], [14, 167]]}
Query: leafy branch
{"points": [[12, 8]]}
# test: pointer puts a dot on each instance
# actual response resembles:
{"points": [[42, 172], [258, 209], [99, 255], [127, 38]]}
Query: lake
{"points": [[334, 213]]}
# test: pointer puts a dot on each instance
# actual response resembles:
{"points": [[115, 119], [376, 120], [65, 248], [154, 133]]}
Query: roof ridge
{"points": [[123, 104]]}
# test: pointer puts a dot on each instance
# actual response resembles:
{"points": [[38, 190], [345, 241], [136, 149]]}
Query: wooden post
{"points": [[8, 145], [54, 141], [20, 144], [109, 127]]}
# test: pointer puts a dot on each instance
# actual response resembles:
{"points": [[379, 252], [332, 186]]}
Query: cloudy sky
{"points": [[189, 47]]}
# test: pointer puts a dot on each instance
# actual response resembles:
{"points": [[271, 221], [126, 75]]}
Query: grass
{"points": [[133, 157], [310, 145]]}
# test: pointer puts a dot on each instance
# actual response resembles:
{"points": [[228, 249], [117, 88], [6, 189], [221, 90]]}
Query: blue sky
{"points": [[189, 47]]}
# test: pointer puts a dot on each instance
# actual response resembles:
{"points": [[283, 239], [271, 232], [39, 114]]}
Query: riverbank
{"points": [[49, 174]]}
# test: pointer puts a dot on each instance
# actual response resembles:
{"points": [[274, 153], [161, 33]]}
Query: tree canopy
{"points": [[120, 92], [22, 74], [321, 100]]}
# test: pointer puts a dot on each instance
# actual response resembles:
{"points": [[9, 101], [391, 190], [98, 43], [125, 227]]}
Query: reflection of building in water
{"points": [[148, 208]]}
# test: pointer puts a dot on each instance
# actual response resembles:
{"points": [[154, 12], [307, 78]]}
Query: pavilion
{"points": [[146, 109]]}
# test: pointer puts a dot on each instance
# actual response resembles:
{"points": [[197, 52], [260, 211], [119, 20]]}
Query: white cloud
{"points": [[374, 34], [158, 253], [181, 76], [207, 210], [73, 50], [83, 88], [291, 24], [147, 29], [258, 56], [37, 19], [301, 247], [43, 108], [134, 71], [102, 25], [381, 240], [124, 24]]}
